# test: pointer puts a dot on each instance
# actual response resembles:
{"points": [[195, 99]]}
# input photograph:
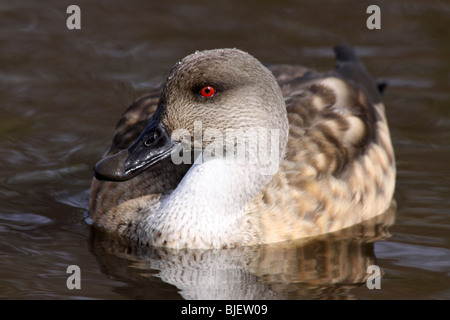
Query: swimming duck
{"points": [[173, 177]]}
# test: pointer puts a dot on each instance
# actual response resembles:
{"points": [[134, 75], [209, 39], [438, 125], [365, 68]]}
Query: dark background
{"points": [[62, 92]]}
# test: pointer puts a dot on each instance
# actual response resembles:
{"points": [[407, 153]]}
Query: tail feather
{"points": [[381, 85], [349, 66], [344, 52]]}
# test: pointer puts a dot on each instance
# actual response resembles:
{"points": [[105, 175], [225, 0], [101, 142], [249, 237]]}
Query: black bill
{"points": [[152, 146]]}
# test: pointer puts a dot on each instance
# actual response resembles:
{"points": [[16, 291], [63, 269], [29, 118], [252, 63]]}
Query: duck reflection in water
{"points": [[326, 267]]}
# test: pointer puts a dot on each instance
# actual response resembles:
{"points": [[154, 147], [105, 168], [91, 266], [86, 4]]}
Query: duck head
{"points": [[216, 91]]}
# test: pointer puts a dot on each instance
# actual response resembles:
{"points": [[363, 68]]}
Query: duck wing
{"points": [[334, 117]]}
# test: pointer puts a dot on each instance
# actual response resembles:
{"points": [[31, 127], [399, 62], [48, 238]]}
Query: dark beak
{"points": [[152, 146]]}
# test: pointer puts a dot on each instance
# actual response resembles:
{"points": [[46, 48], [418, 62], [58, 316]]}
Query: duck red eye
{"points": [[207, 91]]}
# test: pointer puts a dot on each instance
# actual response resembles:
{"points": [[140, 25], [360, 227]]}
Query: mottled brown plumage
{"points": [[337, 166]]}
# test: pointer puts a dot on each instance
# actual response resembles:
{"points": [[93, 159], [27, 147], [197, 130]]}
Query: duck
{"points": [[229, 152]]}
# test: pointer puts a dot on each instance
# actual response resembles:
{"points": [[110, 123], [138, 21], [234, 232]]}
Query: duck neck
{"points": [[208, 208]]}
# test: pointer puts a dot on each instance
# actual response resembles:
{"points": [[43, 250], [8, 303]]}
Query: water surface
{"points": [[62, 92]]}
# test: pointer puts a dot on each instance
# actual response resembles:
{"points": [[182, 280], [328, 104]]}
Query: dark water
{"points": [[62, 92]]}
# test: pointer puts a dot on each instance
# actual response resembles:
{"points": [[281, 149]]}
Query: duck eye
{"points": [[207, 91]]}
